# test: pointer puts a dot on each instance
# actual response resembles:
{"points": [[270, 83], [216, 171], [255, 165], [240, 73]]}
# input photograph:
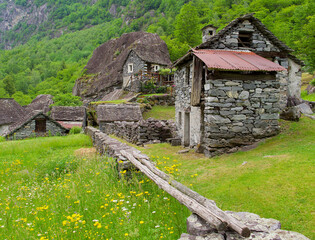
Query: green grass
{"points": [[161, 113], [308, 97], [119, 101], [278, 180], [51, 190], [152, 94]]}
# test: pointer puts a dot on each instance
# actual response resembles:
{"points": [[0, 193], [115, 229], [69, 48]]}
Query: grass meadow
{"points": [[57, 188]]}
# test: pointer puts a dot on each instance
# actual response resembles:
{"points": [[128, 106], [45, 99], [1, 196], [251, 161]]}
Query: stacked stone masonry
{"points": [[146, 131]]}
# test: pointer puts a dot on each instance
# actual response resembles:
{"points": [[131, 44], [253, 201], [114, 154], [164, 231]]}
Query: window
{"points": [[187, 75], [210, 32], [40, 125], [244, 39], [130, 68], [156, 68]]}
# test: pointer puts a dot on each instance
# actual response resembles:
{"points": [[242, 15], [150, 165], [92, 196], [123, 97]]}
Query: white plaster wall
{"points": [[3, 129], [294, 80], [195, 124]]}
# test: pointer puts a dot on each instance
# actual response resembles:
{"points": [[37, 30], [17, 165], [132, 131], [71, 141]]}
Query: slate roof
{"points": [[28, 118], [60, 113], [233, 60], [41, 103], [10, 111], [119, 112]]}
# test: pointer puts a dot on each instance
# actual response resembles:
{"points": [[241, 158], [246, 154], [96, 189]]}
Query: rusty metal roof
{"points": [[236, 60]]}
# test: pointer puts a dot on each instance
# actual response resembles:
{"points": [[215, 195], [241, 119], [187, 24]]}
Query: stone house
{"points": [[10, 112], [144, 64], [69, 117], [231, 88], [35, 124]]}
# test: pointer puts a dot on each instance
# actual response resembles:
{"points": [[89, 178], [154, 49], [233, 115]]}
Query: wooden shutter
{"points": [[196, 81], [40, 125]]}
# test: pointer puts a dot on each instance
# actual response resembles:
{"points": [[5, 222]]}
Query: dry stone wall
{"points": [[146, 131]]}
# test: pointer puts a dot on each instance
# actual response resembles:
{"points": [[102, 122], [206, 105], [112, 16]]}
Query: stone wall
{"points": [[28, 130], [233, 112], [4, 129], [146, 131], [138, 65]]}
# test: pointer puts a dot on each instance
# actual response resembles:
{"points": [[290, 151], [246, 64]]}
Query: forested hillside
{"points": [[51, 41]]}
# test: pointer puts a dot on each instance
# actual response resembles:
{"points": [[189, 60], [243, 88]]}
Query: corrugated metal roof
{"points": [[236, 60]]}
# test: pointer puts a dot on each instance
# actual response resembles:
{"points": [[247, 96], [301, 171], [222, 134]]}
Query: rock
{"points": [[232, 94], [304, 108], [198, 227], [183, 151], [176, 142], [217, 119], [290, 114], [310, 89], [217, 93], [269, 116], [310, 116], [239, 117], [212, 236], [244, 95]]}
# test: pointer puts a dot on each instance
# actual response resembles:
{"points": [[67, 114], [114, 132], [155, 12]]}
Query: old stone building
{"points": [[10, 112], [143, 64], [249, 33], [69, 117], [228, 98], [35, 124]]}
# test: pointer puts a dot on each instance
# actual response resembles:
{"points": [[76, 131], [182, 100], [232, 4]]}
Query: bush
{"points": [[75, 130], [313, 82], [2, 139]]}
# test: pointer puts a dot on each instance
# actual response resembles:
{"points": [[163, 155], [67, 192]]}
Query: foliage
{"points": [[21, 98], [60, 183], [308, 97], [67, 99], [150, 86], [313, 82], [2, 139], [75, 130]]}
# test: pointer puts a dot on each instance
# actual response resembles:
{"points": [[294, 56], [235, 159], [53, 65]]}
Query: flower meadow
{"points": [[49, 192]]}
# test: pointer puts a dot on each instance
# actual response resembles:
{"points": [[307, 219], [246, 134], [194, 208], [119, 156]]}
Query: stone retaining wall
{"points": [[146, 131], [197, 228]]}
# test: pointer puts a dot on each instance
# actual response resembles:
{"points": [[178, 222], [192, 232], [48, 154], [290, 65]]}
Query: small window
{"points": [[130, 68], [187, 75], [244, 39], [210, 32], [156, 68]]}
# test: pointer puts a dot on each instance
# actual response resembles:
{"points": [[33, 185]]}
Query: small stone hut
{"points": [[110, 113], [35, 124], [40, 103], [10, 112], [69, 117], [226, 99]]}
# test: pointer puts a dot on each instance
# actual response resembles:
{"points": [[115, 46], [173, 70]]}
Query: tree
{"points": [[9, 86], [21, 98], [187, 28]]}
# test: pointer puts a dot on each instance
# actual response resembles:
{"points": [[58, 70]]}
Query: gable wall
{"points": [[138, 64], [29, 130], [4, 129]]}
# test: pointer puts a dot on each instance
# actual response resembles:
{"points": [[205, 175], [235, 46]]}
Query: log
{"points": [[233, 223], [190, 203]]}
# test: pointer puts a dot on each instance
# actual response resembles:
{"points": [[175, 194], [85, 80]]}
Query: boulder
{"points": [[290, 114], [305, 108]]}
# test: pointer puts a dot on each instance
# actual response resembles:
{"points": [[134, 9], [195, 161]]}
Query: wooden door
{"points": [[40, 125]]}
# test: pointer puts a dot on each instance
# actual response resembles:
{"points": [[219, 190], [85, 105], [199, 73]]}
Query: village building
{"points": [[228, 89], [10, 112], [40, 103], [143, 64], [35, 124], [69, 117]]}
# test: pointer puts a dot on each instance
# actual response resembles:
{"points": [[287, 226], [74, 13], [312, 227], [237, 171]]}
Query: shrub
{"points": [[2, 139], [313, 82], [75, 130]]}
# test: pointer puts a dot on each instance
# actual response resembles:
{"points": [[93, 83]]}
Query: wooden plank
{"points": [[190, 203], [196, 81], [217, 212]]}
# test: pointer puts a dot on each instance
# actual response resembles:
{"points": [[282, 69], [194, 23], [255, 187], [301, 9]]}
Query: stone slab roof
{"points": [[119, 112], [28, 118], [40, 103], [10, 111], [61, 113]]}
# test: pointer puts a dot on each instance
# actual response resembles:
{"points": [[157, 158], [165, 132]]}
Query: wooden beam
{"points": [[196, 81]]}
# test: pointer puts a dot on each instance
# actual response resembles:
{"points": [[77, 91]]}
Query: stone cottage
{"points": [[69, 117], [35, 124], [231, 88], [144, 64], [10, 112]]}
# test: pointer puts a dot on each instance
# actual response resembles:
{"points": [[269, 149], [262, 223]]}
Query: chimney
{"points": [[208, 32]]}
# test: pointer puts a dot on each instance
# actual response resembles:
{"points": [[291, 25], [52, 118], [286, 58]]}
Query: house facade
{"points": [[231, 88], [141, 66]]}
